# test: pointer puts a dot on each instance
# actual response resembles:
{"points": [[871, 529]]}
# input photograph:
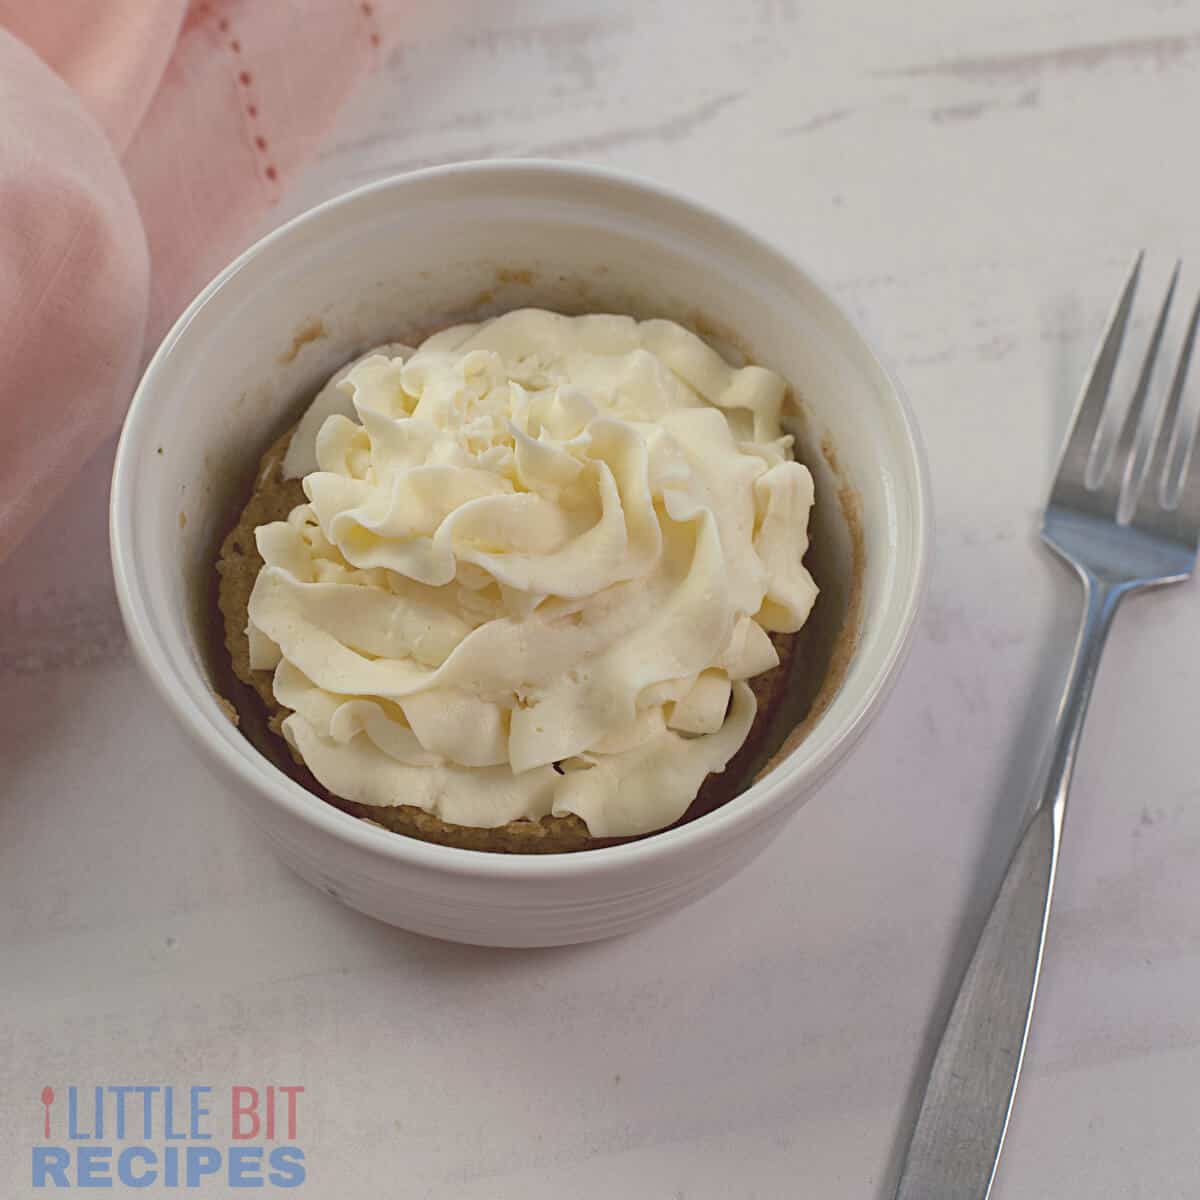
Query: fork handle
{"points": [[960, 1128]]}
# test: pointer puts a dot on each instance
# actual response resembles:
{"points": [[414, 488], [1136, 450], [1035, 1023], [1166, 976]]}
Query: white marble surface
{"points": [[972, 179]]}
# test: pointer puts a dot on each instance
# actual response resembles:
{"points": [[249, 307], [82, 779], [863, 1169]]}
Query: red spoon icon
{"points": [[47, 1100]]}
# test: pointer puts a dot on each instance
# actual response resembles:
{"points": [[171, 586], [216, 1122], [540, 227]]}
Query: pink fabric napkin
{"points": [[141, 142]]}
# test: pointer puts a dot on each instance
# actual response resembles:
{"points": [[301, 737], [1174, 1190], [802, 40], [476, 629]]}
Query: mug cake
{"points": [[531, 586]]}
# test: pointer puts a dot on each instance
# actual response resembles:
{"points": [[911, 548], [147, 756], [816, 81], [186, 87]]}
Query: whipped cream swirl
{"points": [[539, 559]]}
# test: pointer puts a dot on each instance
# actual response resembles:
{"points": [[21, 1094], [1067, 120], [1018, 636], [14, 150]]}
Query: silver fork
{"points": [[1119, 539]]}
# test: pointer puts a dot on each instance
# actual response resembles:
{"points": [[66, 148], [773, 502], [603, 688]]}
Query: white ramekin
{"points": [[403, 256]]}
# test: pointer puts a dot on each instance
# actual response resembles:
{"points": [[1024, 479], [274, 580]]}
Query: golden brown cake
{"points": [[275, 496]]}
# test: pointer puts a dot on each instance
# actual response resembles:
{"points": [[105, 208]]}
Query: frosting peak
{"points": [[539, 558]]}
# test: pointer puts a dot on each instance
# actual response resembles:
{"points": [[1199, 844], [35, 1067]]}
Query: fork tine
{"points": [[1189, 487], [1077, 453], [1129, 481], [1170, 429]]}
